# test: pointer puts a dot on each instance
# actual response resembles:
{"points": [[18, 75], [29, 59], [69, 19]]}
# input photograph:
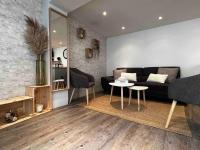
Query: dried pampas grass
{"points": [[36, 36]]}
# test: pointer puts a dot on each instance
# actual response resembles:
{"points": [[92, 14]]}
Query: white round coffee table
{"points": [[122, 85], [138, 89]]}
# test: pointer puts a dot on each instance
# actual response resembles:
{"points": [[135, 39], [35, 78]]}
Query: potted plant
{"points": [[37, 39]]}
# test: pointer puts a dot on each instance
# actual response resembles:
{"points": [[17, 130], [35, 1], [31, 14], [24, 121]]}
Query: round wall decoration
{"points": [[65, 53]]}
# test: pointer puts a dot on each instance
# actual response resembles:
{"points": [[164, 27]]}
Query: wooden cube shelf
{"points": [[41, 95]]}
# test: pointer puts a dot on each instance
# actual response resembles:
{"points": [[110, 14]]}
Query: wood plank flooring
{"points": [[75, 127], [152, 113]]}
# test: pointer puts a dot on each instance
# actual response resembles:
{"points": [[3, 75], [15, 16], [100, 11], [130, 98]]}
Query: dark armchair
{"points": [[79, 79], [185, 90]]}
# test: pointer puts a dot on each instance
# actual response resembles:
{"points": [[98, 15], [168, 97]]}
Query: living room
{"points": [[100, 74]]}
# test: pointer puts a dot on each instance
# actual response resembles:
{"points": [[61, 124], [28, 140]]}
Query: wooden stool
{"points": [[58, 84]]}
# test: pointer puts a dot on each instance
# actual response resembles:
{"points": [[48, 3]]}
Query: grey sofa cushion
{"points": [[117, 73], [171, 72]]}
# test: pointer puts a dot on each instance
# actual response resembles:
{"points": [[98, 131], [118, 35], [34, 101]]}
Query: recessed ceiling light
{"points": [[160, 18], [60, 43], [104, 13], [123, 28], [54, 31]]}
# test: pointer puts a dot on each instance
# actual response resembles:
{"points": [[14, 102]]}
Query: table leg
{"points": [[57, 85], [130, 96], [87, 96], [111, 94], [122, 99], [144, 98], [93, 89], [138, 95]]}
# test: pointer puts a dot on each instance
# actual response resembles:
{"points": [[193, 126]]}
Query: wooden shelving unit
{"points": [[20, 119], [25, 105], [3, 124]]}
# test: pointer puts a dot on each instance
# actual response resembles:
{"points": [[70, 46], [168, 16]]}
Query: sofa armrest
{"points": [[105, 83], [186, 90]]}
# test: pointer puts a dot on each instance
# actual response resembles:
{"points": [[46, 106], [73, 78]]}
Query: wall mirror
{"points": [[59, 47]]}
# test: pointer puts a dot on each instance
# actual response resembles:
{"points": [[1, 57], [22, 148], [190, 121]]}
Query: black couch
{"points": [[156, 90]]}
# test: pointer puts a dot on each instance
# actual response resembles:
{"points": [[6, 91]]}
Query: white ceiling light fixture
{"points": [[160, 18], [60, 43], [104, 13], [54, 31], [123, 28]]}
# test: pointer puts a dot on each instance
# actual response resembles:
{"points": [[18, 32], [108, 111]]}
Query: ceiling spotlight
{"points": [[160, 18], [123, 28], [60, 43], [104, 13], [54, 31]]}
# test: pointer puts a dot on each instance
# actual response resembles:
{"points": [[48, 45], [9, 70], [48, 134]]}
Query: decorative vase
{"points": [[40, 71], [39, 108]]}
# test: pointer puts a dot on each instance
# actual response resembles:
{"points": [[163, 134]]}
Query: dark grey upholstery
{"points": [[186, 90], [79, 79], [156, 91]]}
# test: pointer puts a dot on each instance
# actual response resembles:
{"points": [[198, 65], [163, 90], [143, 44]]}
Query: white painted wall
{"points": [[172, 45], [60, 98], [58, 52]]}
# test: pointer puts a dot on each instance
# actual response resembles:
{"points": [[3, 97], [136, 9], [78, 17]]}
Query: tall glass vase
{"points": [[40, 71]]}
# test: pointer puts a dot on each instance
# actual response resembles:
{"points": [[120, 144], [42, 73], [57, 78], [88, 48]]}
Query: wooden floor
{"points": [[75, 127], [152, 113]]}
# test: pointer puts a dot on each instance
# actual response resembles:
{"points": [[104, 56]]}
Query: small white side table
{"points": [[122, 85], [138, 89]]}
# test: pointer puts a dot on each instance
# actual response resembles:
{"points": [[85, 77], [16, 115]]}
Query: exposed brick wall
{"points": [[95, 66], [17, 62]]}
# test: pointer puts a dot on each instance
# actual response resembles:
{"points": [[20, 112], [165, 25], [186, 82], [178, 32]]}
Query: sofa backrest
{"points": [[138, 71], [179, 70], [147, 70]]}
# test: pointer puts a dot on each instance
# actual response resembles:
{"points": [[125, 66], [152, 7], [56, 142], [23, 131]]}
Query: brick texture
{"points": [[95, 66], [17, 62]]}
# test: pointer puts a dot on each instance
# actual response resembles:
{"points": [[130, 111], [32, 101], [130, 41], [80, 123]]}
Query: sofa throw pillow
{"points": [[171, 72], [117, 73], [160, 78], [129, 76]]}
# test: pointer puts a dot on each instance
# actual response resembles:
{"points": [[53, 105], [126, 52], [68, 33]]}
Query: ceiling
{"points": [[135, 15], [69, 5]]}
